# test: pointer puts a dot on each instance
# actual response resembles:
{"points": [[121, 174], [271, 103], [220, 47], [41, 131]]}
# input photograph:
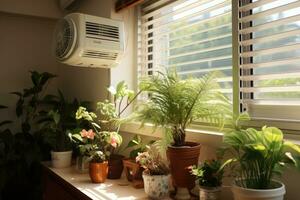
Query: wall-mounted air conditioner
{"points": [[89, 41]]}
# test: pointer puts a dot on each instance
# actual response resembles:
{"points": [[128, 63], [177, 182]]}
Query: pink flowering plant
{"points": [[102, 129], [152, 162]]}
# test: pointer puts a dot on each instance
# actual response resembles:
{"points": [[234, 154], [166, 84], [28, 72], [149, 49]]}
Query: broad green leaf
{"points": [[292, 146]]}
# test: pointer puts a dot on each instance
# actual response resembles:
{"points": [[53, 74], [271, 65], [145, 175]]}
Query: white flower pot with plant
{"points": [[173, 104], [259, 155], [155, 175], [55, 134], [209, 176]]}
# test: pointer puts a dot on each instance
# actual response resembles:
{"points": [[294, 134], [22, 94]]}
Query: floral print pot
{"points": [[156, 186]]}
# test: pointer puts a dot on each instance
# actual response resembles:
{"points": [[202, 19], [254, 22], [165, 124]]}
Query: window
{"points": [[269, 59], [192, 36], [196, 37]]}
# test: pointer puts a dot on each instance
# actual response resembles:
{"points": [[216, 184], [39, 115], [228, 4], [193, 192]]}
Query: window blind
{"points": [[193, 36], [269, 40]]}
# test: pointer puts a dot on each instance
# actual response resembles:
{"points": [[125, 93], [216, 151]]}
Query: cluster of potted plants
{"points": [[256, 156], [173, 104]]}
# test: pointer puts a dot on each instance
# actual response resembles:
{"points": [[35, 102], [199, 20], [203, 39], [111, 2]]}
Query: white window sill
{"points": [[205, 137], [211, 138]]}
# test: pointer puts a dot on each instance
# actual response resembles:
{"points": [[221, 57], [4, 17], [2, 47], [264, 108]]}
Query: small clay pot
{"points": [[181, 158], [98, 171], [133, 172], [115, 168]]}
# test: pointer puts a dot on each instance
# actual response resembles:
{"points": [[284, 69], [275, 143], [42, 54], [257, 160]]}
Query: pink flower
{"points": [[88, 134], [113, 142]]}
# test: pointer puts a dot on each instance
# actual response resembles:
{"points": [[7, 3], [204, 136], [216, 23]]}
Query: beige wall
{"points": [[24, 46], [39, 8]]}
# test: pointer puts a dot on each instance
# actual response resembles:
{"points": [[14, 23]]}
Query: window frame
{"points": [[289, 126]]}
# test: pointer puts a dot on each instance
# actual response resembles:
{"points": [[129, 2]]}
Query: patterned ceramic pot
{"points": [[209, 193], [157, 186]]}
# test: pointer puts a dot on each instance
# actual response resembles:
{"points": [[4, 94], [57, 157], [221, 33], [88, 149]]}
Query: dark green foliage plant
{"points": [[137, 145], [57, 123], [209, 174], [174, 103], [28, 106]]}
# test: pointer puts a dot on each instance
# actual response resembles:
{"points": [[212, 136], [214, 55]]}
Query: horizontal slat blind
{"points": [[270, 58], [194, 36]]}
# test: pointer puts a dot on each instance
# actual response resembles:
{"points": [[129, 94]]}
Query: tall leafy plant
{"points": [[175, 103], [22, 150], [28, 106], [59, 121], [259, 155]]}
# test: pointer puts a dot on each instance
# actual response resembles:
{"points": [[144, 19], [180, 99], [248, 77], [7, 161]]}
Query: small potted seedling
{"points": [[155, 174], [209, 176]]}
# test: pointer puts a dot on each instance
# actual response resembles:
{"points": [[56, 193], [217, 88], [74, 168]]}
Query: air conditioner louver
{"points": [[100, 55], [89, 41], [102, 31]]}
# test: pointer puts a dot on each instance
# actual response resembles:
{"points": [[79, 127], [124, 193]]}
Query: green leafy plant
{"points": [[108, 117], [152, 162], [96, 156], [137, 145], [209, 174], [174, 103], [28, 106], [259, 155], [22, 151], [7, 155], [57, 122]]}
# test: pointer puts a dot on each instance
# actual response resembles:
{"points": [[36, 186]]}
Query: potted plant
{"points": [[111, 117], [98, 166], [173, 104], [134, 170], [155, 175], [55, 126], [58, 139], [95, 143], [209, 176], [259, 155]]}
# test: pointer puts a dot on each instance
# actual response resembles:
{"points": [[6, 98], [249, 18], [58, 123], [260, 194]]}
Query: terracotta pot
{"points": [[181, 158], [98, 171], [115, 168], [133, 172]]}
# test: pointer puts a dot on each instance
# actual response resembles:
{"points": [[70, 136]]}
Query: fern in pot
{"points": [[258, 156], [156, 173], [174, 104]]}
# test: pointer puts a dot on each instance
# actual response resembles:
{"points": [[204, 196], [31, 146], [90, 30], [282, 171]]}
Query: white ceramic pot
{"points": [[209, 193], [241, 193], [61, 159], [157, 186]]}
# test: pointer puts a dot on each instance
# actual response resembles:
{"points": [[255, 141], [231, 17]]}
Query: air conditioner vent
{"points": [[100, 55], [102, 31], [89, 41]]}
